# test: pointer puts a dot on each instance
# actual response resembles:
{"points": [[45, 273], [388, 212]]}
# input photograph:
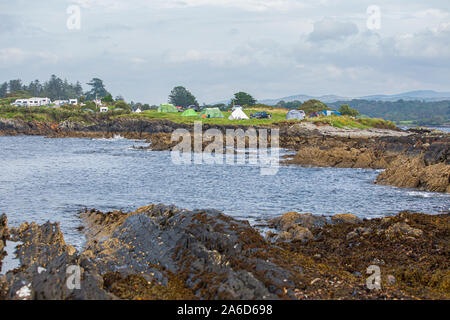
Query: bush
{"points": [[122, 105], [347, 111]]}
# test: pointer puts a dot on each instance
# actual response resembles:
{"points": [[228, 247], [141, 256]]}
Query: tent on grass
{"points": [[167, 108], [295, 115], [329, 113], [238, 114], [211, 113], [189, 113]]}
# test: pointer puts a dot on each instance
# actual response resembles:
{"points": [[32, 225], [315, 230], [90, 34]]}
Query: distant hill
{"points": [[303, 98], [426, 95], [417, 112], [421, 95]]}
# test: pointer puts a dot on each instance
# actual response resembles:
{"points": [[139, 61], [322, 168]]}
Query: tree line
{"points": [[55, 89]]}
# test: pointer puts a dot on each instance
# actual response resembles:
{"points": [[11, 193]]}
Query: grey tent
{"points": [[295, 115]]}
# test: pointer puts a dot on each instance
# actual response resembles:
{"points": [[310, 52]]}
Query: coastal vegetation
{"points": [[278, 118], [86, 114], [90, 113], [402, 112]]}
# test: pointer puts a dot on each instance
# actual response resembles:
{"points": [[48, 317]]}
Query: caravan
{"points": [[32, 102]]}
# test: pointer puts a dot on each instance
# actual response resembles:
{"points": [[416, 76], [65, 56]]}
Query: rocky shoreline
{"points": [[163, 252], [416, 160], [411, 159]]}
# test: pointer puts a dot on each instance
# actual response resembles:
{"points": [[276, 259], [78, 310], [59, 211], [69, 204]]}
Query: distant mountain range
{"points": [[425, 95]]}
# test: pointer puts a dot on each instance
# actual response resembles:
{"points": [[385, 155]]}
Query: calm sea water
{"points": [[443, 129], [52, 179]]}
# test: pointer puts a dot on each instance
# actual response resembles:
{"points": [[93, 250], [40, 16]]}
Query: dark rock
{"points": [[216, 256], [403, 229], [345, 218], [4, 235], [43, 274]]}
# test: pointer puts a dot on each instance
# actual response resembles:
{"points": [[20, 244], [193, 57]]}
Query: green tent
{"points": [[212, 113], [189, 113], [167, 108]]}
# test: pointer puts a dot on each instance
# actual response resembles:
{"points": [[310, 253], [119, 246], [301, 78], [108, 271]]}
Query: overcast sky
{"points": [[269, 48]]}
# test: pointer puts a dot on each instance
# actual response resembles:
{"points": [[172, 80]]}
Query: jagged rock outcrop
{"points": [[163, 252], [215, 256], [420, 162], [44, 272], [407, 172]]}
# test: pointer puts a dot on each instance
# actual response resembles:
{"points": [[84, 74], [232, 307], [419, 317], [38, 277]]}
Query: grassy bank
{"points": [[278, 117], [76, 114], [46, 114]]}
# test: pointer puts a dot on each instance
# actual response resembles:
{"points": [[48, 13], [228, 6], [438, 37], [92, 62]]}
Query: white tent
{"points": [[238, 114]]}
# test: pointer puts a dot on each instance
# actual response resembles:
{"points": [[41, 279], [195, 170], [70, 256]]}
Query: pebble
{"points": [[391, 280]]}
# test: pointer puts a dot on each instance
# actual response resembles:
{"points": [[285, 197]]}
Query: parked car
{"points": [[196, 108], [261, 115]]}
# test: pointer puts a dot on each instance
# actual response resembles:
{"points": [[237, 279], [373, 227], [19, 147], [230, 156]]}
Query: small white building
{"points": [[73, 101], [104, 109], [138, 110]]}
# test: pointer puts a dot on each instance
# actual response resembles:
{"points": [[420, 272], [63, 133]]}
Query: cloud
{"points": [[430, 45], [143, 48], [249, 5], [216, 58], [262, 53], [8, 23], [329, 29], [15, 56], [137, 60], [432, 13]]}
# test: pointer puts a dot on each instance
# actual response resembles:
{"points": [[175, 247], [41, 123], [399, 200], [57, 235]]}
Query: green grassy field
{"points": [[176, 117], [278, 117]]}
